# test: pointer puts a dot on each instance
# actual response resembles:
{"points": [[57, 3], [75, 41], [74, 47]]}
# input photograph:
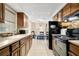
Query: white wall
{"points": [[38, 27]]}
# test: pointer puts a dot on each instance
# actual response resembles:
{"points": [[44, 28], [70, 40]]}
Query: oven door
{"points": [[59, 47]]}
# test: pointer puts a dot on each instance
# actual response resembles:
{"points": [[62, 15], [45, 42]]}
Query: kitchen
{"points": [[15, 30]]}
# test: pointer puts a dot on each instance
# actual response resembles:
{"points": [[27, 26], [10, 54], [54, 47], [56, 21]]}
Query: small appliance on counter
{"points": [[23, 31]]}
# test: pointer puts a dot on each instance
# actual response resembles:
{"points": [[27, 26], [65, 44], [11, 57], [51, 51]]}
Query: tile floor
{"points": [[40, 48]]}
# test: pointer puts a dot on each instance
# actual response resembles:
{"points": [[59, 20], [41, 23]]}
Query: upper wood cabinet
{"points": [[66, 10], [74, 7], [55, 17], [21, 20], [60, 14], [2, 7]]}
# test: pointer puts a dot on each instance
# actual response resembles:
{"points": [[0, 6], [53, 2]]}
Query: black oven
{"points": [[60, 47]]}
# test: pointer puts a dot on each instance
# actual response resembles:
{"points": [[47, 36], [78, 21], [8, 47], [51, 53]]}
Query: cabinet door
{"points": [[74, 48], [25, 21], [74, 7], [30, 41], [15, 52], [20, 20], [10, 16], [55, 17], [71, 54], [60, 16], [66, 10], [22, 50], [1, 12], [5, 52]]}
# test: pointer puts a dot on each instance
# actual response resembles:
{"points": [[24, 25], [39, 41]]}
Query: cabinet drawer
{"points": [[73, 48], [15, 45], [4, 52]]}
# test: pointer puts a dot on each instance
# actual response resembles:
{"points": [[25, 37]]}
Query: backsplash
{"points": [[2, 28], [7, 27]]}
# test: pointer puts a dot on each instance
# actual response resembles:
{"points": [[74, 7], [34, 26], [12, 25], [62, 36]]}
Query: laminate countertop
{"points": [[75, 42], [5, 41]]}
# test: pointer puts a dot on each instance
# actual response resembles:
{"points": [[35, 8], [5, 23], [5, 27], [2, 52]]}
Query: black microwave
{"points": [[72, 33], [22, 32]]}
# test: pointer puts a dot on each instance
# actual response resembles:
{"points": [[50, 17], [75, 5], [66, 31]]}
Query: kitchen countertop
{"points": [[75, 42], [5, 41]]}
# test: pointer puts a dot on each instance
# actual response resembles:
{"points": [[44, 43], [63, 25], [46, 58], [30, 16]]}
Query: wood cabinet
{"points": [[60, 14], [55, 17], [22, 47], [71, 54], [27, 45], [2, 7], [66, 10], [21, 20], [74, 7], [22, 50], [73, 50], [19, 48], [15, 52], [15, 49], [30, 41], [5, 51]]}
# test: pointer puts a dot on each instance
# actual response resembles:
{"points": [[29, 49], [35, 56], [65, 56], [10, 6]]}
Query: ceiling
{"points": [[37, 11]]}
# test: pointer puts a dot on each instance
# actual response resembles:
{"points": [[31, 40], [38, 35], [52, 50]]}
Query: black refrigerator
{"points": [[54, 28]]}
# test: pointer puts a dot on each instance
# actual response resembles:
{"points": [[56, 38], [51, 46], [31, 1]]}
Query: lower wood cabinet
{"points": [[73, 50], [71, 53], [15, 49], [27, 46], [5, 51], [22, 47], [15, 52], [30, 41], [22, 50], [19, 48]]}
